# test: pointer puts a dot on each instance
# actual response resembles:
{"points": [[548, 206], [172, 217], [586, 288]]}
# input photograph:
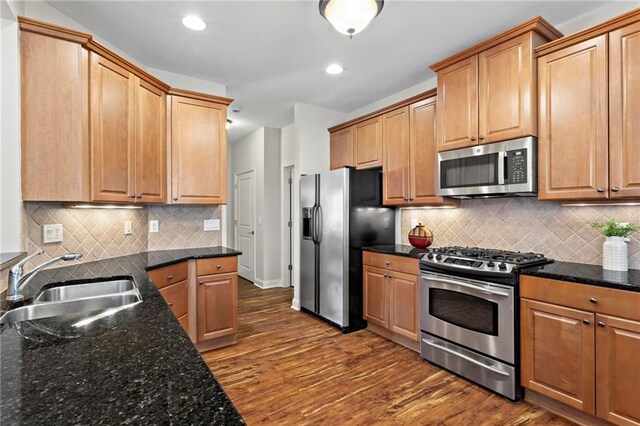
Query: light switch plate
{"points": [[153, 226], [414, 223], [52, 233], [212, 225], [127, 227]]}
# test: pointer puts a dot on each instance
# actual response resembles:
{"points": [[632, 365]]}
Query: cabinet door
{"points": [[624, 121], [458, 105], [341, 148], [506, 97], [176, 296], [618, 370], [376, 296], [217, 306], [395, 157], [55, 119], [423, 164], [573, 141], [558, 353], [112, 131], [403, 305], [368, 143], [198, 152], [151, 144]]}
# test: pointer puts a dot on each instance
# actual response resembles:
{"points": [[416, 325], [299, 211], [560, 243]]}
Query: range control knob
{"points": [[439, 257], [430, 256], [490, 264], [502, 266]]}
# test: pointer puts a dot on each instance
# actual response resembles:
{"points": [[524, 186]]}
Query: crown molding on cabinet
{"points": [[538, 25], [199, 96], [419, 97], [589, 33]]}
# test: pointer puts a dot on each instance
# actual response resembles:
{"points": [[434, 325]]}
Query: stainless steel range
{"points": [[469, 311]]}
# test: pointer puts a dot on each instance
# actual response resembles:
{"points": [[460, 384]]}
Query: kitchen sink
{"points": [[76, 299]]}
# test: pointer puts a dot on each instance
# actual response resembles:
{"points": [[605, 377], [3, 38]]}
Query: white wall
{"points": [[597, 16], [180, 81]]}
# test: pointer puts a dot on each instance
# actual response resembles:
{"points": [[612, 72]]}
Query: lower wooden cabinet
{"points": [[177, 296], [580, 346], [391, 296], [217, 306]]}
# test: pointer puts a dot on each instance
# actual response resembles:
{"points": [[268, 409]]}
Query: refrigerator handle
{"points": [[314, 215], [318, 224]]}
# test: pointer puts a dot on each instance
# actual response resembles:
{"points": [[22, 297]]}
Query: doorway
{"points": [[244, 218], [287, 227]]}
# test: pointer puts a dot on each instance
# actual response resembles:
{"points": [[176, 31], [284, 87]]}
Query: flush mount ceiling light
{"points": [[193, 23], [334, 69], [349, 17]]}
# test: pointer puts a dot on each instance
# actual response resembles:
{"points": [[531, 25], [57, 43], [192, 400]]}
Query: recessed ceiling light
{"points": [[194, 23], [334, 69]]}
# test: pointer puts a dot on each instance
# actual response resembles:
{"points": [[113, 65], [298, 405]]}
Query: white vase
{"points": [[614, 254]]}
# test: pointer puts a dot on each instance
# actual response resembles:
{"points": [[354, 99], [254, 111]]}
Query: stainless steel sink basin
{"points": [[81, 291], [76, 299]]}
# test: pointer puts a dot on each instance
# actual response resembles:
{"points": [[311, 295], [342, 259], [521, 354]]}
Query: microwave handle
{"points": [[502, 167]]}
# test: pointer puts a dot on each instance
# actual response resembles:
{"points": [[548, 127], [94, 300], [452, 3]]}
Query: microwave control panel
{"points": [[516, 166]]}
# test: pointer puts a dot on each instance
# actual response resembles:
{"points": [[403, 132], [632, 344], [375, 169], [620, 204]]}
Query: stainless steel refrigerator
{"points": [[341, 212]]}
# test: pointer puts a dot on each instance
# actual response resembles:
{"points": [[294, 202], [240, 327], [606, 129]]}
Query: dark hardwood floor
{"points": [[289, 368]]}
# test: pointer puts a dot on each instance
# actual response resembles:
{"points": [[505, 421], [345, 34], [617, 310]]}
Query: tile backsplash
{"points": [[183, 227], [525, 224]]}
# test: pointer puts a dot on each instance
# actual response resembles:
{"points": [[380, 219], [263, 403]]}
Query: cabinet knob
{"points": [[139, 196], [218, 266], [410, 198], [600, 189], [170, 304], [132, 196], [473, 138], [169, 277], [405, 198], [175, 198], [601, 324], [201, 282], [586, 321], [386, 275], [615, 189], [387, 263], [481, 137], [593, 300]]}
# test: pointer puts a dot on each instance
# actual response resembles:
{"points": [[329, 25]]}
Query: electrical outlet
{"points": [[153, 226], [212, 225], [414, 223], [127, 227], [52, 233], [259, 220]]}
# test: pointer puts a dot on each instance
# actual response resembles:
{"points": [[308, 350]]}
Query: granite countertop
{"points": [[586, 274], [7, 260], [397, 250], [135, 366]]}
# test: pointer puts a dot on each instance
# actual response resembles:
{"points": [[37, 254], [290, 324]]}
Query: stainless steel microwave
{"points": [[495, 169]]}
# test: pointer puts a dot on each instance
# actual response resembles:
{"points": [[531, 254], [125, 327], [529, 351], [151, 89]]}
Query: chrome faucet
{"points": [[17, 278]]}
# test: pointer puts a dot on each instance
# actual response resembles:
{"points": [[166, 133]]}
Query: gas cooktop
{"points": [[476, 259]]}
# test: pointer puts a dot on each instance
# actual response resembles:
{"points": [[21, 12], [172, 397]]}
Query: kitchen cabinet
{"points": [[579, 346], [589, 95], [396, 157], [173, 283], [55, 140], [487, 93], [391, 286], [341, 148], [198, 151], [367, 139], [217, 302]]}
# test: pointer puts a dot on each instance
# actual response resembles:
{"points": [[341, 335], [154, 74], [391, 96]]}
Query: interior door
{"points": [[245, 224]]}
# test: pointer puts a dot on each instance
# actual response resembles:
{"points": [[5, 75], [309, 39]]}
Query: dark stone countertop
{"points": [[586, 274], [7, 260], [397, 250], [136, 366]]}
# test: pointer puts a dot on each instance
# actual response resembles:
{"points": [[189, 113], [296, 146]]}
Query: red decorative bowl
{"points": [[420, 237]]}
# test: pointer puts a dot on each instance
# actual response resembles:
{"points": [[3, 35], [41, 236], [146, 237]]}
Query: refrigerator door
{"points": [[332, 227], [308, 247]]}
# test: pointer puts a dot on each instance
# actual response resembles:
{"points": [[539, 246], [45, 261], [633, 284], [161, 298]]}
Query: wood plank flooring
{"points": [[289, 368]]}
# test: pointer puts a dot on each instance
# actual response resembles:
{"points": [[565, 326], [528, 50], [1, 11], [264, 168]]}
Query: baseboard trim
{"points": [[563, 410], [395, 337], [295, 304], [267, 284]]}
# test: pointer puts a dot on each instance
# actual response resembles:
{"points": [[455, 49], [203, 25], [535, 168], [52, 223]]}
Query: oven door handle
{"points": [[466, 358], [469, 286]]}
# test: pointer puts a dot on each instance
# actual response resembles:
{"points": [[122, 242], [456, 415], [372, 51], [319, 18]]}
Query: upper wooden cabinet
{"points": [[367, 139], [589, 96], [395, 157], [487, 93], [55, 139], [198, 151], [341, 148], [94, 127]]}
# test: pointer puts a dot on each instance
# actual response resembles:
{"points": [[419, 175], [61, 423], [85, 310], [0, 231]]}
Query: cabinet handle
{"points": [[139, 196], [386, 275], [405, 198], [175, 198], [218, 266], [601, 324], [410, 198], [170, 304], [600, 189], [473, 138], [201, 282], [387, 263], [593, 300], [586, 321], [481, 137], [169, 277], [615, 189], [132, 196]]}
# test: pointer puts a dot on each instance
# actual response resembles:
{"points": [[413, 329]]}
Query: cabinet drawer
{"points": [[176, 295], [407, 265], [168, 275], [217, 265], [590, 298]]}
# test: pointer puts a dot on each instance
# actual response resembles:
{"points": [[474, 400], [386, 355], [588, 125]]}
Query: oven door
{"points": [[476, 314]]}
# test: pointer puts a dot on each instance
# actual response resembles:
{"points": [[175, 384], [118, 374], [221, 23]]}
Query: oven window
{"points": [[463, 310], [479, 170]]}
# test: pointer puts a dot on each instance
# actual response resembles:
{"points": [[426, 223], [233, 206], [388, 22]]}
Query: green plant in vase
{"points": [[614, 249]]}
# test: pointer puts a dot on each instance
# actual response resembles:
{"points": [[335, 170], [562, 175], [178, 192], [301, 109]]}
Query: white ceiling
{"points": [[271, 54]]}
